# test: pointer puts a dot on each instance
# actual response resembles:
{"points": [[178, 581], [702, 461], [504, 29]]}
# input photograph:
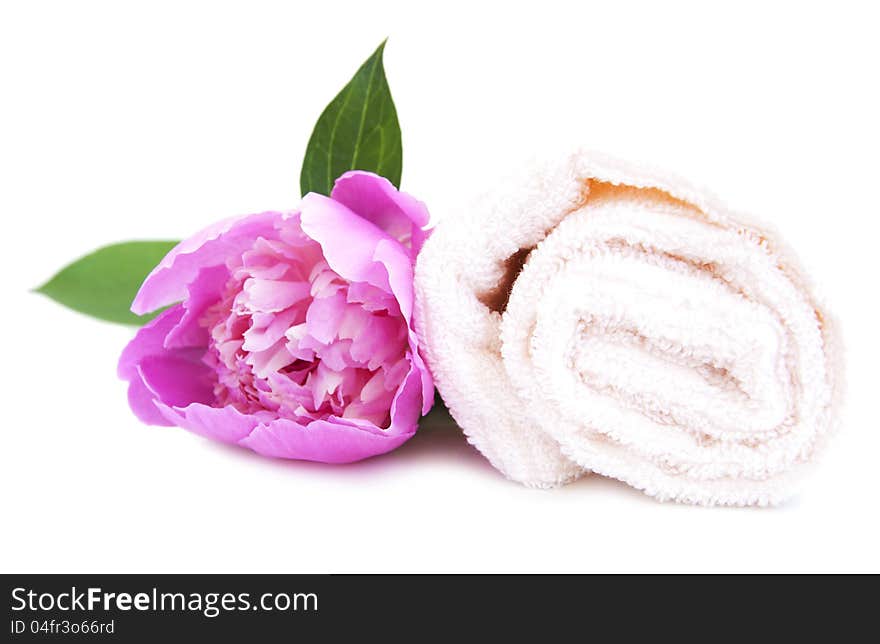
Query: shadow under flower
{"points": [[440, 441]]}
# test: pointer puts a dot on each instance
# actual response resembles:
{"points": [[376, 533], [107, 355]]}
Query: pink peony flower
{"points": [[292, 334]]}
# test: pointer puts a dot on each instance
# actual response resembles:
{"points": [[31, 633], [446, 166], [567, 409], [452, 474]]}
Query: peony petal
{"points": [[322, 382], [148, 341], [324, 281], [372, 298], [143, 403], [383, 338], [337, 355], [260, 338], [397, 372], [376, 199], [375, 411], [324, 317], [426, 380], [347, 240], [271, 360], [287, 394], [268, 296], [212, 246], [224, 424], [399, 271], [327, 441], [353, 322], [407, 406], [205, 291], [156, 373], [177, 379], [400, 276]]}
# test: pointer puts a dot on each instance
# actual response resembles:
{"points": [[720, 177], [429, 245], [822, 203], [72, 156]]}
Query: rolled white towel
{"points": [[593, 316]]}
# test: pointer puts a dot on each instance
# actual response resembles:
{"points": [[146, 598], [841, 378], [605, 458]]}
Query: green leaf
{"points": [[104, 283], [357, 131]]}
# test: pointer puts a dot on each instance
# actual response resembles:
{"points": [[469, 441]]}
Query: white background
{"points": [[150, 120]]}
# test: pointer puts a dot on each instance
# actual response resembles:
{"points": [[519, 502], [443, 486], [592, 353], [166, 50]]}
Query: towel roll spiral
{"points": [[589, 315]]}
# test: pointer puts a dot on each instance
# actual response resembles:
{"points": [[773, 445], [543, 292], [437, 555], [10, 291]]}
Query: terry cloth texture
{"points": [[589, 315]]}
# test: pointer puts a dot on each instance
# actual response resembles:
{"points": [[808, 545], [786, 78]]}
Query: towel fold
{"points": [[593, 316]]}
